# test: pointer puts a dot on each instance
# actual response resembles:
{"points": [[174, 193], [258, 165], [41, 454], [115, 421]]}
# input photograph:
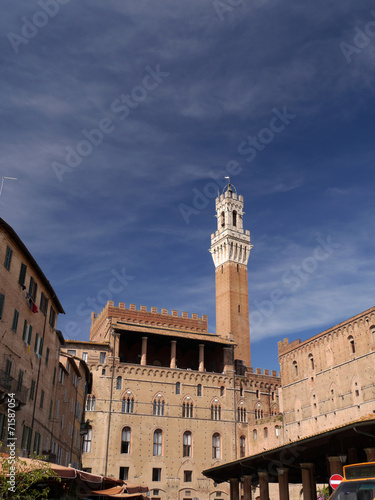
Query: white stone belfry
{"points": [[230, 242]]}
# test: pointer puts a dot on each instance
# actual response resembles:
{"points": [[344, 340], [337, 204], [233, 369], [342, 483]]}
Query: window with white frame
{"points": [[216, 452], [242, 446], [87, 441], [186, 448], [158, 438]]}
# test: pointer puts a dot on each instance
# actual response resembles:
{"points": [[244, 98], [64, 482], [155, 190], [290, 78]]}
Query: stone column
{"points": [[308, 481], [115, 340], [247, 488], [352, 456], [335, 466], [263, 486], [370, 454], [283, 483], [201, 357], [173, 353], [234, 490], [228, 359], [144, 351]]}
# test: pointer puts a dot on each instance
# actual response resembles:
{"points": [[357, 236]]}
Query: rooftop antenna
{"points": [[2, 182]]}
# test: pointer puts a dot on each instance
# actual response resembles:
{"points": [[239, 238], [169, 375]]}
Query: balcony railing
{"points": [[9, 385]]}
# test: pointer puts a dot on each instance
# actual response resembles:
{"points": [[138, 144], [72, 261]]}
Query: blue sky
{"points": [[118, 116]]}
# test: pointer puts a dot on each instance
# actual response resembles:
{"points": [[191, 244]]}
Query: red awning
{"points": [[131, 491], [27, 464], [110, 491], [90, 478]]}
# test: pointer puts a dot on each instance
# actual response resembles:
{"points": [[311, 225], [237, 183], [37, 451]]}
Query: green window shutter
{"points": [[3, 425], [40, 346], [24, 336], [30, 334], [21, 279], [47, 356], [2, 300], [15, 320], [36, 443], [20, 380], [52, 316], [32, 389], [31, 285], [23, 440], [29, 439], [43, 303], [8, 367], [36, 344], [8, 258]]}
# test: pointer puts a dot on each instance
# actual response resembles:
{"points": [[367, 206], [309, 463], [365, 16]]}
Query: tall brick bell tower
{"points": [[230, 249]]}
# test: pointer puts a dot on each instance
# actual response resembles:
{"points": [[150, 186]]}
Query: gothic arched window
{"points": [[158, 405], [187, 408], [215, 411], [241, 414], [128, 403]]}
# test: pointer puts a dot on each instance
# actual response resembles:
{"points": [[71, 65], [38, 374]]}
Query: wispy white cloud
{"points": [[119, 207]]}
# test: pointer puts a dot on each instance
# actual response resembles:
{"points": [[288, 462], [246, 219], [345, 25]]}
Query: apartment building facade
{"points": [[30, 357]]}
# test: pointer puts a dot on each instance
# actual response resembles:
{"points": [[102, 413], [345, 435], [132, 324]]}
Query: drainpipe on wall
{"points": [[110, 403], [37, 379], [234, 405]]}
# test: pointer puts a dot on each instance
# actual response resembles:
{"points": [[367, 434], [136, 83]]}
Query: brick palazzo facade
{"points": [[329, 379], [170, 399]]}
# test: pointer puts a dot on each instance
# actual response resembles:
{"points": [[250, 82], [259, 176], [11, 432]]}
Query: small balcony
{"points": [[9, 385], [84, 427]]}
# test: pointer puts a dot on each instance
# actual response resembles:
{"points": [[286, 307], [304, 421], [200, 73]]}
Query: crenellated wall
{"points": [[142, 316]]}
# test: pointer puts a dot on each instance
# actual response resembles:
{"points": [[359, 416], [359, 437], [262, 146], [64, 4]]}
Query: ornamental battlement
{"points": [[229, 194], [144, 317], [263, 372]]}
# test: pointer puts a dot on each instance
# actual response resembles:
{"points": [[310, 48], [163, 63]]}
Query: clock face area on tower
{"points": [[230, 250]]}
